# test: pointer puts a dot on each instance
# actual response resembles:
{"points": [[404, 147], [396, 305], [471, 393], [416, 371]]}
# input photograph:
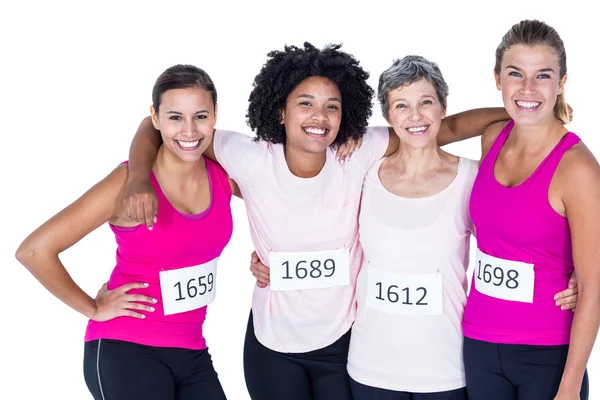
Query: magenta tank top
{"points": [[178, 240], [519, 224]]}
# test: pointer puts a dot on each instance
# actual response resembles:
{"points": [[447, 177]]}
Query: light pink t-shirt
{"points": [[412, 238], [291, 214]]}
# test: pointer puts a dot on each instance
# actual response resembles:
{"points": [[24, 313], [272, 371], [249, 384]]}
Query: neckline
{"points": [[280, 155], [201, 214], [535, 171], [459, 169]]}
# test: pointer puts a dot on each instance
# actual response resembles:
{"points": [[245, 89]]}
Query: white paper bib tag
{"points": [[309, 270], [419, 294], [504, 279], [189, 288]]}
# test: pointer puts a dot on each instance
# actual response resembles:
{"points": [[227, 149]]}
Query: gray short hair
{"points": [[408, 70]]}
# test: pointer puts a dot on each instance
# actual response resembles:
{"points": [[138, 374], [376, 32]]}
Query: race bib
{"points": [[309, 270], [404, 294], [187, 289], [504, 279]]}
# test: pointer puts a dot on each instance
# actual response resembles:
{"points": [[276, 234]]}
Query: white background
{"points": [[76, 79]]}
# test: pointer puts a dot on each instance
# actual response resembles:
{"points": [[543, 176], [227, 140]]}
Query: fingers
{"points": [[566, 293], [260, 275], [569, 306], [133, 314], [139, 211], [567, 299], [142, 208], [253, 257], [127, 209], [262, 268], [341, 153], [572, 282], [140, 297], [261, 280], [346, 150], [102, 291], [148, 217], [358, 143], [138, 306], [134, 285]]}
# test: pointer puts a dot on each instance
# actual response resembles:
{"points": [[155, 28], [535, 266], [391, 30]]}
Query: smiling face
{"points": [[530, 82], [186, 119], [312, 115], [415, 113]]}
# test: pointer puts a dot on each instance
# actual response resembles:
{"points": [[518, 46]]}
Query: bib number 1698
{"points": [[504, 279]]}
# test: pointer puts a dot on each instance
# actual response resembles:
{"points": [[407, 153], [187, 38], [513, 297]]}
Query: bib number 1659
{"points": [[188, 288]]}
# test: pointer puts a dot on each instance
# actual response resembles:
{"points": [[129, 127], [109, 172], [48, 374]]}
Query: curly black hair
{"points": [[284, 70]]}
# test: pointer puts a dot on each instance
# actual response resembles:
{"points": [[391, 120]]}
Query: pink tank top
{"points": [[178, 240], [519, 224]]}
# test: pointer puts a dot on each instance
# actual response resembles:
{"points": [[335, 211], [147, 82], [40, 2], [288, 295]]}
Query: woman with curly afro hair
{"points": [[303, 209]]}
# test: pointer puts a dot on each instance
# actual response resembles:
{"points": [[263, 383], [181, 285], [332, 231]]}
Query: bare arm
{"points": [[469, 124], [580, 184], [140, 202], [39, 251], [457, 127], [144, 148]]}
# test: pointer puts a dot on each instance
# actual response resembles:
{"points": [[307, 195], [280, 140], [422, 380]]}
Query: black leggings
{"points": [[515, 371], [365, 392], [318, 374], [117, 370]]}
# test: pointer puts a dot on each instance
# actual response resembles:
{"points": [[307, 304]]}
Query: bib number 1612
{"points": [[419, 294]]}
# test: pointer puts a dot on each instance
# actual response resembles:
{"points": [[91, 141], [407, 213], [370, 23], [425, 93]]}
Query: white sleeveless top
{"points": [[411, 290]]}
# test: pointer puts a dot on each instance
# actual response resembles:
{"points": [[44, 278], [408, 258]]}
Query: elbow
{"points": [[26, 254]]}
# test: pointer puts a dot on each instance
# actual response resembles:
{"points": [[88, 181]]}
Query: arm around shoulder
{"points": [[469, 124], [489, 136]]}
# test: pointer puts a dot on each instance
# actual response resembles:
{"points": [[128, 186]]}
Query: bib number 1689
{"points": [[309, 270], [312, 269]]}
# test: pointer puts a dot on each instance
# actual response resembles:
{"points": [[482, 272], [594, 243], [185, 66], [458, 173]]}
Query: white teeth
{"points": [[417, 129], [315, 131], [188, 144], [528, 104]]}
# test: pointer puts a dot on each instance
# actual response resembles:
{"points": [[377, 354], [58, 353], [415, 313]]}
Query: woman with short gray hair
{"points": [[415, 229]]}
